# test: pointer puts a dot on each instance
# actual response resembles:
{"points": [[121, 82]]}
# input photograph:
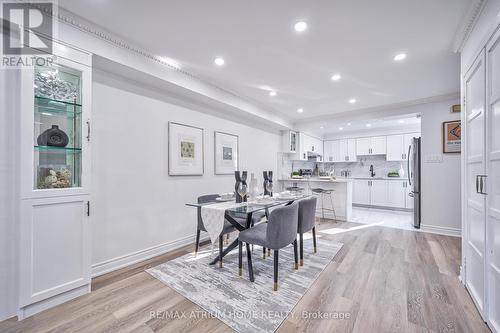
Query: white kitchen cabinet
{"points": [[396, 193], [304, 143], [54, 227], [397, 146], [289, 142], [378, 192], [375, 145], [328, 151], [351, 150], [361, 192]]}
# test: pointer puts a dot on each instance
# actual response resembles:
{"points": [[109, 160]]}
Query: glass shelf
{"points": [[67, 149], [42, 98], [51, 107]]}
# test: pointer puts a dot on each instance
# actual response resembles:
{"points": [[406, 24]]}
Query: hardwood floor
{"points": [[382, 280]]}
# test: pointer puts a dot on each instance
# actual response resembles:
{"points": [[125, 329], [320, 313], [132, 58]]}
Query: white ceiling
{"points": [[355, 38]]}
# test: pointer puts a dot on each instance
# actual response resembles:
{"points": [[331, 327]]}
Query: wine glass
{"points": [[243, 190]]}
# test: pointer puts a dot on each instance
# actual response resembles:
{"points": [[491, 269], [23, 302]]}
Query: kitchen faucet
{"points": [[372, 174]]}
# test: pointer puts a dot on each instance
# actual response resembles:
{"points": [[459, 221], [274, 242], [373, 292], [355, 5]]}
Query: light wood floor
{"points": [[387, 280]]}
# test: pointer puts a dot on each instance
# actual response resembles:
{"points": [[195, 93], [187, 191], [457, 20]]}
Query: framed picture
{"points": [[456, 108], [452, 136], [226, 151], [185, 150]]}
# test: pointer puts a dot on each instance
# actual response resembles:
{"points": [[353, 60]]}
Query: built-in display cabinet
{"points": [[55, 181]]}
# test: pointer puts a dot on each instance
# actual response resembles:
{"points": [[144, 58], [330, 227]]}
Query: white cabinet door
{"points": [[475, 166], [303, 144], [378, 192], [361, 192], [342, 151], [395, 147], [396, 193], [408, 138], [55, 256], [328, 151], [363, 146], [493, 183], [351, 150], [378, 145], [289, 142]]}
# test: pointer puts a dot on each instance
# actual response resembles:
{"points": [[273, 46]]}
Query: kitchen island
{"points": [[341, 196]]}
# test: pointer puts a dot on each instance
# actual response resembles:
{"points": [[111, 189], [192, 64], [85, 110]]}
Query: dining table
{"points": [[245, 211]]}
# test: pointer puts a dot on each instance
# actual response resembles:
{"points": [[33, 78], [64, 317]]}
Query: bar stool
{"points": [[321, 192]]}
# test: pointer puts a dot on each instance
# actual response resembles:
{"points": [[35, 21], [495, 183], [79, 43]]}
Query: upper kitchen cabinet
{"points": [[375, 145], [289, 142], [340, 150], [309, 145], [397, 146]]}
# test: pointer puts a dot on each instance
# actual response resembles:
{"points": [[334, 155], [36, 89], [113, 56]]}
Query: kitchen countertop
{"points": [[341, 179]]}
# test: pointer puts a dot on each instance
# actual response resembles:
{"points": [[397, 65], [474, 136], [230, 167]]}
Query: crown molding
{"points": [[377, 110], [467, 24]]}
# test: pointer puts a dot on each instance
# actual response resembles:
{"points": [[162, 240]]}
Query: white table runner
{"points": [[213, 217]]}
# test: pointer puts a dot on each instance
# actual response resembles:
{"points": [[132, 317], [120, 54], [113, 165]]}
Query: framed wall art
{"points": [[226, 153], [452, 137], [185, 150]]}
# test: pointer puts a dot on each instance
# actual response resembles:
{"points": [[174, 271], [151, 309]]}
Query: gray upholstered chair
{"points": [[280, 231], [306, 222], [228, 227]]}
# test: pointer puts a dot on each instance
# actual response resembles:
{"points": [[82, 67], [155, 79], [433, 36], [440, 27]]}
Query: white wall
{"points": [[137, 209], [441, 205]]}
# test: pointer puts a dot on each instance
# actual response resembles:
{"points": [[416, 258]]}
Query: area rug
{"points": [[241, 304]]}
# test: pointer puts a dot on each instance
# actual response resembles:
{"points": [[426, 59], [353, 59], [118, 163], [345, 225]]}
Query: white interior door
{"points": [[475, 93], [493, 184]]}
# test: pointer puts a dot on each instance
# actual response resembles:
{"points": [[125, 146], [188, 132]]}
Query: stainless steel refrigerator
{"points": [[414, 177]]}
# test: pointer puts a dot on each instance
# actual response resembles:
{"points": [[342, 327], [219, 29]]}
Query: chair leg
{"points": [[268, 252], [333, 208], [227, 238], [301, 238], [198, 232], [249, 259], [263, 253], [221, 240], [295, 254], [314, 239], [276, 252], [240, 258]]}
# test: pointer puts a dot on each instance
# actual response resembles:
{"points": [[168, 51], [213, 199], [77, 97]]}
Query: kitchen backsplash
{"points": [[360, 168]]}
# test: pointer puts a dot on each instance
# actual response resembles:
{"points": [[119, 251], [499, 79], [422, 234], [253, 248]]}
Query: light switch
{"points": [[435, 158]]}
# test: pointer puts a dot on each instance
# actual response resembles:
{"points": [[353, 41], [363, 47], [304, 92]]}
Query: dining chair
{"points": [[306, 222], [278, 232], [228, 227]]}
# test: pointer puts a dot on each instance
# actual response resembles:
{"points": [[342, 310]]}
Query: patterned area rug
{"points": [[241, 304]]}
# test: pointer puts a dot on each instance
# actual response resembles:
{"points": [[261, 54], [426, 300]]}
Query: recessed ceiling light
{"points": [[272, 93], [300, 26], [348, 124], [336, 77], [401, 121], [219, 61], [321, 127], [368, 125], [400, 56], [300, 110], [341, 128], [352, 101]]}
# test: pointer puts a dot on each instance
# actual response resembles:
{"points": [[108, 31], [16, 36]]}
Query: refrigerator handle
{"points": [[408, 164]]}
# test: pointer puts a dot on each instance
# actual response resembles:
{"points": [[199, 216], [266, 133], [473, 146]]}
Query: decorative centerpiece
{"points": [[50, 178], [49, 84], [53, 137]]}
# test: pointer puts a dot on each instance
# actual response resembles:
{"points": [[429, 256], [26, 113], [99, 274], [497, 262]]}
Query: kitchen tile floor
{"points": [[383, 218]]}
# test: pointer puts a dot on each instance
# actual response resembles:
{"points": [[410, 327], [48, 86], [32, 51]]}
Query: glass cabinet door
{"points": [[57, 131]]}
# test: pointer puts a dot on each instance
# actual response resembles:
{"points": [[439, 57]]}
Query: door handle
{"points": [[482, 184], [477, 183], [88, 130], [411, 194]]}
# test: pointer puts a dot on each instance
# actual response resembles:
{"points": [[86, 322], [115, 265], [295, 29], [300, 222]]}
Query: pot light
{"points": [[401, 121], [219, 61], [400, 56], [348, 124], [336, 77], [368, 125], [352, 101], [341, 128], [300, 26], [321, 127], [272, 93], [300, 110]]}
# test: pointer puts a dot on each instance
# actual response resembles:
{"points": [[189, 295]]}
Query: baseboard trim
{"points": [[138, 256], [434, 229]]}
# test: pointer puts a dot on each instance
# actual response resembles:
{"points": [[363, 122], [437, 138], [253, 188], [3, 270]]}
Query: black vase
{"points": [[53, 137]]}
